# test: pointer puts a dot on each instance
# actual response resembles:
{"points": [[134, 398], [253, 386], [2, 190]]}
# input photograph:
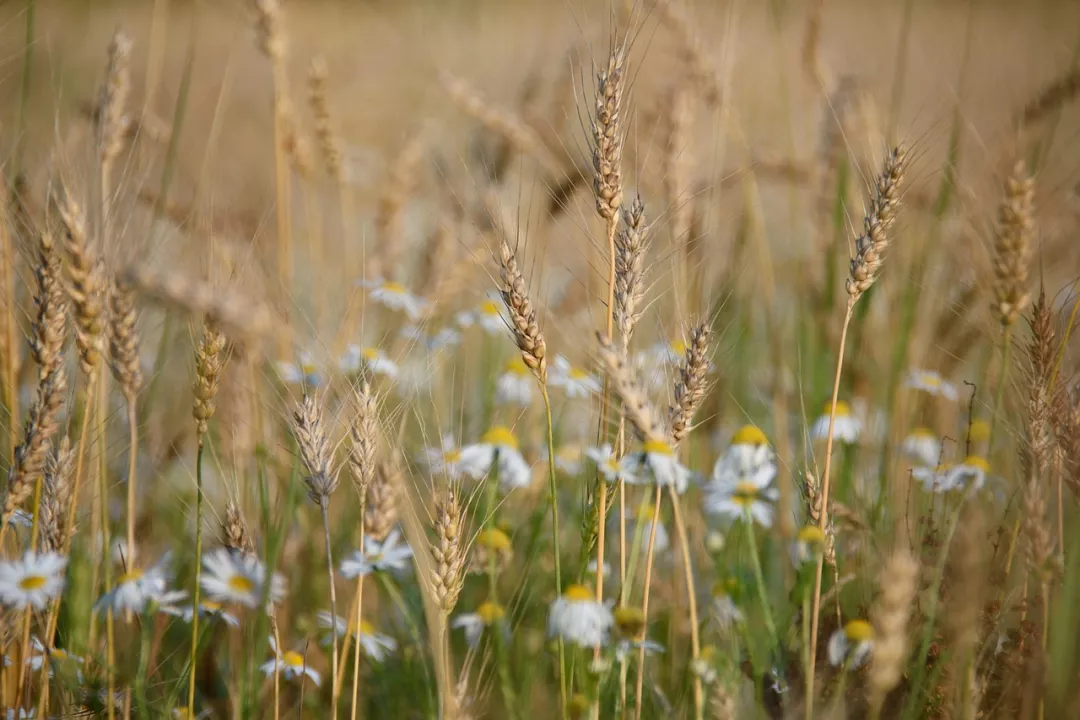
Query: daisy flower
{"points": [[575, 382], [489, 614], [441, 340], [136, 589], [922, 446], [808, 545], [608, 464], [625, 648], [487, 315], [968, 475], [58, 656], [930, 382], [234, 577], [850, 646], [33, 580], [705, 665], [396, 297], [740, 485], [498, 447], [445, 460], [567, 459], [375, 645], [667, 353], [305, 371], [847, 426], [591, 568], [491, 544], [373, 360], [207, 609], [979, 432], [656, 462], [389, 555], [515, 385], [20, 714], [576, 617], [725, 612], [290, 664], [933, 478]]}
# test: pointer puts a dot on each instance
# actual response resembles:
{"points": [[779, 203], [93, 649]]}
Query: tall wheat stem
{"points": [[640, 684], [555, 539], [133, 455], [335, 690], [194, 656], [691, 599], [824, 519]]}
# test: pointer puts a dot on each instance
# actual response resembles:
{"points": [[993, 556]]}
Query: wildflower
{"points": [[497, 447], [389, 555], [625, 647], [290, 664], [33, 580], [515, 385], [373, 360], [725, 612], [375, 645], [922, 446], [136, 589], [850, 646], [20, 714], [657, 461], [487, 315], [808, 545], [240, 578], [491, 546], [846, 428], [305, 371], [934, 479], [608, 464], [931, 382], [577, 617], [433, 343], [576, 383], [489, 614], [667, 353], [968, 475], [35, 659], [630, 622], [591, 568], [207, 609], [704, 667], [445, 460], [567, 459], [641, 522], [741, 479], [396, 297], [979, 432]]}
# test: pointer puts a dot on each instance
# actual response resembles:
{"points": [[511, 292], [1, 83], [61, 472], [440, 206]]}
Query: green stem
{"points": [[763, 595], [144, 661], [555, 539], [193, 659]]}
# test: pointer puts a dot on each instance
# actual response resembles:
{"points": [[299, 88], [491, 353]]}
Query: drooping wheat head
{"points": [[234, 531]]}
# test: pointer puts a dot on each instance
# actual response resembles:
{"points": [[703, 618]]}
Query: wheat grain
{"points": [[86, 285], [365, 437], [381, 506], [890, 619], [447, 551], [234, 531], [124, 339], [209, 362], [310, 432], [56, 495], [691, 385], [1012, 247], [631, 244], [329, 143], [607, 138], [515, 295], [870, 247], [639, 410]]}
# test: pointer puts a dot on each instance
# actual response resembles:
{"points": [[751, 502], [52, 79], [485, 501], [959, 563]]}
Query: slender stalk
{"points": [[824, 519], [144, 665], [133, 456], [193, 658], [640, 685], [106, 562], [691, 599], [282, 190], [999, 395], [555, 539], [333, 609], [359, 617], [759, 577]]}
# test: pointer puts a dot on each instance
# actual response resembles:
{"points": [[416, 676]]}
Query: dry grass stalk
{"points": [[124, 339], [702, 69], [870, 247], [447, 551], [1013, 246], [811, 48], [309, 429], [389, 219], [691, 385], [607, 138], [501, 122], [631, 244], [56, 495], [209, 362], [890, 619], [234, 531], [643, 417], [1052, 97], [515, 295], [381, 508], [243, 316], [86, 285], [329, 143]]}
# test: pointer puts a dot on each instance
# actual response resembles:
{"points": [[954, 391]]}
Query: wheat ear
{"points": [[890, 618]]}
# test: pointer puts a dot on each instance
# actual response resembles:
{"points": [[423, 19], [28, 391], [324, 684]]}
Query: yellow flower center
{"points": [[293, 659], [493, 539], [745, 493], [59, 654], [33, 582], [578, 374], [451, 456], [630, 620], [308, 368], [842, 409], [130, 576], [678, 347], [658, 447], [500, 435], [921, 433], [578, 593], [394, 287], [369, 354], [980, 431], [858, 631], [707, 653], [749, 435], [978, 462], [490, 612], [645, 512], [211, 606], [612, 464], [930, 379], [811, 535], [517, 366], [241, 584], [489, 308], [366, 628], [375, 558]]}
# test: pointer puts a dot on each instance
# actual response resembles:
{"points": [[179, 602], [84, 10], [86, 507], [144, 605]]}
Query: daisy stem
{"points": [[635, 554], [554, 500], [999, 395], [144, 663], [359, 602], [759, 576], [640, 685], [133, 454], [691, 598], [823, 521], [193, 658], [325, 507]]}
